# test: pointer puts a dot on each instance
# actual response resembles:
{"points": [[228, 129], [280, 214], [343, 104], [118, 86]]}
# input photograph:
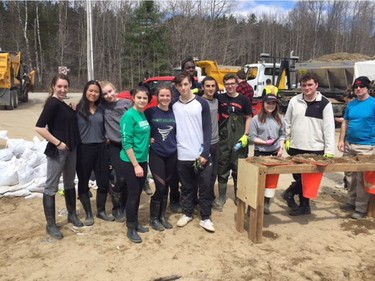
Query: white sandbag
{"points": [[40, 181], [18, 146], [8, 175], [35, 188], [40, 145], [40, 171], [25, 172], [34, 195], [4, 189], [6, 154], [33, 157], [4, 134], [18, 193]]}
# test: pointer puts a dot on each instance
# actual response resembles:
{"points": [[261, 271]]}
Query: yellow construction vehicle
{"points": [[15, 80], [211, 68]]}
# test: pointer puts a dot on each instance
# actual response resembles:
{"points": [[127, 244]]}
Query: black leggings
{"points": [[135, 185], [163, 170], [116, 162], [92, 157]]}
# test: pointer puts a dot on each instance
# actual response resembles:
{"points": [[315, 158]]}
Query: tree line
{"points": [[134, 39]]}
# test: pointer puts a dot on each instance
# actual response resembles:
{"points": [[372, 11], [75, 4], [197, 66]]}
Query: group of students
{"points": [[188, 137]]}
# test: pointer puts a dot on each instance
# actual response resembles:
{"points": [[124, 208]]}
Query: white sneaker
{"points": [[207, 225], [184, 220]]}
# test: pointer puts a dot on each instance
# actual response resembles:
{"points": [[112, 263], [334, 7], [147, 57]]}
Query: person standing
{"points": [[243, 87], [188, 67], [357, 137], [310, 129], [114, 108], [267, 132], [270, 89], [210, 88], [162, 155], [193, 123], [58, 125], [135, 137], [234, 123], [92, 154]]}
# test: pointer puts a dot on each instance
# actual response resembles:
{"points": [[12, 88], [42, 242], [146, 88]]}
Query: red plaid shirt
{"points": [[246, 89]]}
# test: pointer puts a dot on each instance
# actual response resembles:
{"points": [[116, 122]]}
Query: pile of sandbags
{"points": [[23, 167]]}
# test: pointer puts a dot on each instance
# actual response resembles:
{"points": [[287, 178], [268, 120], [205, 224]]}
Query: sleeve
{"points": [[248, 110], [329, 129], [287, 119], [282, 130], [127, 125], [253, 133], [46, 115], [207, 128]]}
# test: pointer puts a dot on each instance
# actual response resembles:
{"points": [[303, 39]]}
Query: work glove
{"points": [[195, 91], [197, 165], [287, 145], [270, 142], [244, 140], [329, 155]]}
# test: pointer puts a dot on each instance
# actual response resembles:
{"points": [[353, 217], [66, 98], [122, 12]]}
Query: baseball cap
{"points": [[362, 81], [270, 97]]}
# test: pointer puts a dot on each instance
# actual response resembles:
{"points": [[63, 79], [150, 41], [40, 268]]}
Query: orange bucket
{"points": [[272, 180], [310, 184], [369, 181]]}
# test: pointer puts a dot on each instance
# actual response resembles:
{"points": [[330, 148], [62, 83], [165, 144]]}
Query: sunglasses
{"points": [[359, 86]]}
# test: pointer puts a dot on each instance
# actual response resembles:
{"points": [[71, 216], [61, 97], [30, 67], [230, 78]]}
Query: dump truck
{"points": [[211, 68], [16, 79], [334, 77]]}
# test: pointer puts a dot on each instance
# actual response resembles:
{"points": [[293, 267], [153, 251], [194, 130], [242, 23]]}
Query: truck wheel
{"points": [[25, 97], [15, 99], [11, 101]]}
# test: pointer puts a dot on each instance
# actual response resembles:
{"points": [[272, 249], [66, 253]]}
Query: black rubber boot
{"points": [[101, 199], [267, 204], [288, 196], [116, 209], [50, 213], [85, 201], [70, 201], [154, 216], [141, 229], [303, 209], [162, 215], [219, 202], [132, 233]]}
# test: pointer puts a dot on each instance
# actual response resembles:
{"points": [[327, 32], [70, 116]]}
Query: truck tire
{"points": [[25, 97], [11, 100], [15, 98]]}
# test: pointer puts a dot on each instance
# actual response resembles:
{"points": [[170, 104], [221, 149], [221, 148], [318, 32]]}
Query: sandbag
{"points": [[8, 175]]}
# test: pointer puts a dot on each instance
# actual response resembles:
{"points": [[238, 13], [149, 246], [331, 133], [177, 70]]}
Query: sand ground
{"points": [[326, 245]]}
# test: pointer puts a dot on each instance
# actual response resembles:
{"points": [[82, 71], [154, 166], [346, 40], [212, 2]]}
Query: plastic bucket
{"points": [[369, 181], [272, 180], [269, 192], [310, 184]]}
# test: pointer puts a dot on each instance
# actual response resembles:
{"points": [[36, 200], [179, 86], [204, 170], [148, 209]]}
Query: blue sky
{"points": [[245, 7]]}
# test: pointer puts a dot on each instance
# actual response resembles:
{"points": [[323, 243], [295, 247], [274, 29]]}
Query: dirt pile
{"points": [[343, 57]]}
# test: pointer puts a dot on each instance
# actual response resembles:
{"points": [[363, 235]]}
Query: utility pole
{"points": [[90, 52]]}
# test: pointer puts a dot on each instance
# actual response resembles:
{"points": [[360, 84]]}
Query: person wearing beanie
{"points": [[243, 87], [357, 136]]}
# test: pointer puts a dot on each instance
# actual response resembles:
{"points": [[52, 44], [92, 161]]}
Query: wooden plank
{"points": [[247, 178], [311, 168], [240, 217]]}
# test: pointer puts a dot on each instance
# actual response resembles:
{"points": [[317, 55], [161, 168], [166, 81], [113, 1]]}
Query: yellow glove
{"points": [[244, 140], [195, 91], [287, 145], [329, 155]]}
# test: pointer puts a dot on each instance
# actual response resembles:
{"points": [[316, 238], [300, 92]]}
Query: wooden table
{"points": [[251, 186]]}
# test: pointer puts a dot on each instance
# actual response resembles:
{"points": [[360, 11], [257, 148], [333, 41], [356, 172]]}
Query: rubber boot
{"points": [[141, 229], [154, 216], [116, 209], [220, 201], [132, 233], [303, 209], [70, 201], [267, 204], [162, 215], [288, 196], [101, 199], [50, 213], [85, 201]]}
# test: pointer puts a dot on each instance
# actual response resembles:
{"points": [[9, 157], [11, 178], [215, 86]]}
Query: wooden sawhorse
{"points": [[251, 186]]}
